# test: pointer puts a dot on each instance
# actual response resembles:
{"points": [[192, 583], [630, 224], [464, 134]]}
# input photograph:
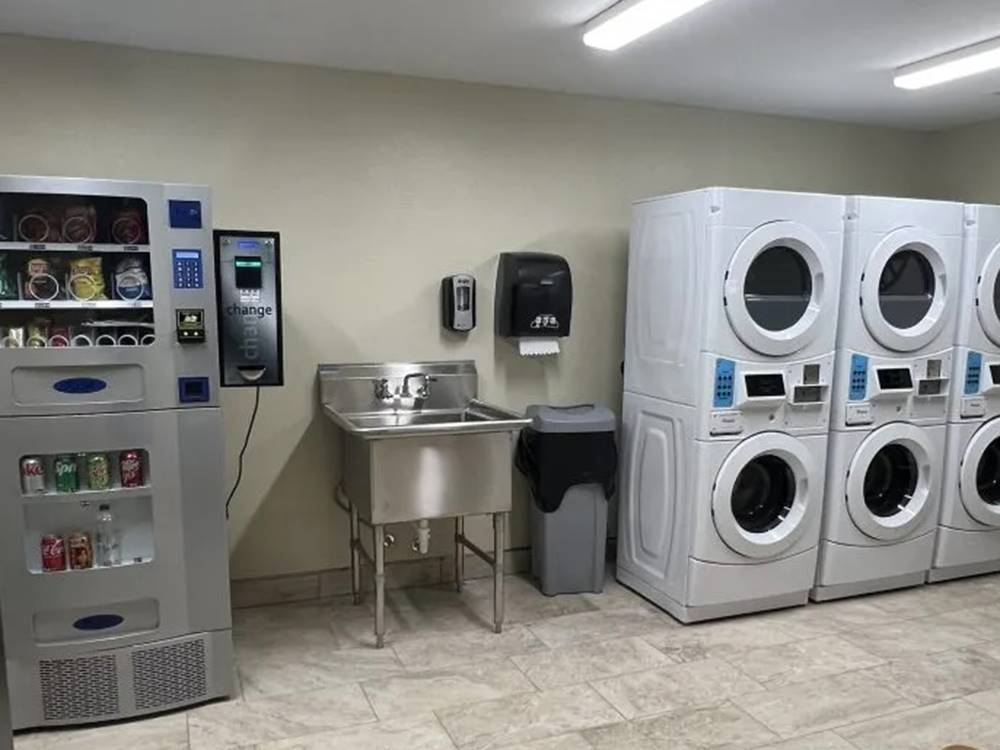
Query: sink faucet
{"points": [[421, 392]]}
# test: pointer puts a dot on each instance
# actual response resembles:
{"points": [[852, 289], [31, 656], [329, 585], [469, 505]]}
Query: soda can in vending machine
{"points": [[130, 468], [32, 475], [67, 479], [98, 471], [81, 552], [53, 553]]}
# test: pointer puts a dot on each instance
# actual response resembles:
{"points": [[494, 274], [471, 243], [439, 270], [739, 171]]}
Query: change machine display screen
{"points": [[248, 274]]}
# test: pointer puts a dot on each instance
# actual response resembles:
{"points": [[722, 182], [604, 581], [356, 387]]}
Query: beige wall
{"points": [[966, 164], [382, 185]]}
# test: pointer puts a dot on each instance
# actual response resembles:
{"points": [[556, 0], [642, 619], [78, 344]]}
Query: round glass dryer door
{"points": [[904, 291], [761, 495], [988, 296], [979, 478], [774, 289], [888, 484]]}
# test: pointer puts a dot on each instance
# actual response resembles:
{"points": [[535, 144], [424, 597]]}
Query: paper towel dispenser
{"points": [[534, 296]]}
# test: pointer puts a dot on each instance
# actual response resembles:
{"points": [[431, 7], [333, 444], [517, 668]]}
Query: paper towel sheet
{"points": [[538, 347]]}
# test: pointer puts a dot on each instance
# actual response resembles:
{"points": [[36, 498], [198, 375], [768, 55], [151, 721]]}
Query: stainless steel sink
{"points": [[418, 444], [475, 418]]}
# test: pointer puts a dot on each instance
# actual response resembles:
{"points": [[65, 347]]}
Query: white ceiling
{"points": [[829, 59]]}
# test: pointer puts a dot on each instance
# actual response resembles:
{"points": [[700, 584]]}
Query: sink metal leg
{"points": [[379, 543], [355, 555], [459, 552], [498, 545]]}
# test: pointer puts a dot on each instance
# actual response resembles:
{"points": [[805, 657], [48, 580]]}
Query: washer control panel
{"points": [[725, 382], [973, 373], [858, 387]]}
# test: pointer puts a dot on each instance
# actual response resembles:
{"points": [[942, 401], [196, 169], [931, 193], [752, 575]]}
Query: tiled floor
{"points": [[912, 669]]}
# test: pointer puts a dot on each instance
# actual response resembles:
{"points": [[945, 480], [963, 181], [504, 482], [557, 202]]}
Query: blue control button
{"points": [[973, 373], [193, 390], [858, 388], [185, 214], [725, 377], [188, 269]]}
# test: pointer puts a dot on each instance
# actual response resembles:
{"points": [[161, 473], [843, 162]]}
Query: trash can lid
{"points": [[580, 418]]}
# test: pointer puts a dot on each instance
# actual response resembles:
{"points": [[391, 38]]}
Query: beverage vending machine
{"points": [[114, 578]]}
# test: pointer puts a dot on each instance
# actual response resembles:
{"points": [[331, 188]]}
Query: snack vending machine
{"points": [[114, 579]]}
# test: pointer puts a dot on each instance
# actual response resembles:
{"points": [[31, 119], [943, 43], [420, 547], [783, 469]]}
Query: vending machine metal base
{"points": [[114, 579]]}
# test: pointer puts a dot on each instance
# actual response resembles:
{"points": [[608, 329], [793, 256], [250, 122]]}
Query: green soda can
{"points": [[67, 479], [98, 471]]}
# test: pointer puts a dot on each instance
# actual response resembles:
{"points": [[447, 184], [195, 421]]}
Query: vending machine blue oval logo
{"points": [[98, 622], [79, 386]]}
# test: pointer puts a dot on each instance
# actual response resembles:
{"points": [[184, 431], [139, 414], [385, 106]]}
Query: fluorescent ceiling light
{"points": [[962, 63], [631, 19]]}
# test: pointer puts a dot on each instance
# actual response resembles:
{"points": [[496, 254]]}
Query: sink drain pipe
{"points": [[422, 541]]}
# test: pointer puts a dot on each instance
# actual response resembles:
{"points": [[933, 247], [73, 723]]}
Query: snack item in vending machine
{"points": [[79, 224], [39, 224], [32, 475], [131, 279], [80, 551], [67, 478], [8, 287], [86, 279], [39, 282], [53, 553], [130, 468], [13, 337], [128, 227], [60, 336], [37, 333]]}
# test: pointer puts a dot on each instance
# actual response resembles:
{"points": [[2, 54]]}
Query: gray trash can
{"points": [[569, 456]]}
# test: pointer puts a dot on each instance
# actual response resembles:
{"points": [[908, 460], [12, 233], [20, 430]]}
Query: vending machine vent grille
{"points": [[169, 675], [78, 689]]}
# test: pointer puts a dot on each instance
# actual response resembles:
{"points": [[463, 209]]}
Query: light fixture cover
{"points": [[951, 66], [626, 21]]}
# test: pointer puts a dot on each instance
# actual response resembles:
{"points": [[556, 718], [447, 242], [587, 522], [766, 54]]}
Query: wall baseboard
{"points": [[323, 584]]}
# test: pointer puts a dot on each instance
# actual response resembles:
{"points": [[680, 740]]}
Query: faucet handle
{"points": [[383, 390]]}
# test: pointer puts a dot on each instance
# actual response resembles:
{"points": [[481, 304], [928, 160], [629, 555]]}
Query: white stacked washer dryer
{"points": [[902, 262], [968, 539], [109, 398], [731, 326]]}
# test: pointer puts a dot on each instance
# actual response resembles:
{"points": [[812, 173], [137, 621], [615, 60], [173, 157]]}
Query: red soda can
{"points": [[32, 475], [130, 468], [53, 553]]}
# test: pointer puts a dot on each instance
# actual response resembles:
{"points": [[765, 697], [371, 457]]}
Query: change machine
{"points": [[114, 579]]}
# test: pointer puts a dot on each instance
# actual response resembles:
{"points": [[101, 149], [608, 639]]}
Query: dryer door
{"points": [[889, 480], [979, 478], [775, 288], [761, 495], [905, 290], [988, 296]]}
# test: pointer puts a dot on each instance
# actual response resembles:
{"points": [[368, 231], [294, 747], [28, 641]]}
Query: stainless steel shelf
{"points": [[65, 247], [105, 304], [88, 496]]}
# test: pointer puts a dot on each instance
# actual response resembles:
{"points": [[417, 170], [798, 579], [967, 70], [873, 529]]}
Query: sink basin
{"points": [[476, 417]]}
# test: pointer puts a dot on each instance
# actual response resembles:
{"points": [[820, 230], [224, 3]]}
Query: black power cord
{"points": [[243, 450]]}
